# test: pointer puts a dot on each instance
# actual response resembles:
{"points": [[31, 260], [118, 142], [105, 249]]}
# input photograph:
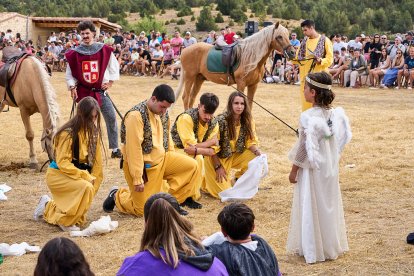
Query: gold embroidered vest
{"points": [[193, 112], [225, 148], [147, 143]]}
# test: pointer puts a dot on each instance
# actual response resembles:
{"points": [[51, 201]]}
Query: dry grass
{"points": [[377, 193]]}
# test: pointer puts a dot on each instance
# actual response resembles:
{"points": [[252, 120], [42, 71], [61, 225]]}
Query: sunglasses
{"points": [[376, 37]]}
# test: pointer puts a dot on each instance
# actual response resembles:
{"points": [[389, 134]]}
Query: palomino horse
{"points": [[253, 52], [34, 93]]}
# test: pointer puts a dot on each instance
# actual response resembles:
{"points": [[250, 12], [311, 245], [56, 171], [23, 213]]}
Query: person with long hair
{"points": [[378, 72], [238, 144], [169, 245], [317, 226], [75, 175], [61, 256]]}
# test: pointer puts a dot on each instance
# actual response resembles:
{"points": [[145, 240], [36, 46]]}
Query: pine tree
{"points": [[206, 21]]}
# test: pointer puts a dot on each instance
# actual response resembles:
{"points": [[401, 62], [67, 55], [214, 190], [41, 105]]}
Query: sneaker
{"points": [[137, 75], [41, 206], [397, 87], [68, 228], [116, 154], [190, 203], [109, 203], [409, 87], [297, 83]]}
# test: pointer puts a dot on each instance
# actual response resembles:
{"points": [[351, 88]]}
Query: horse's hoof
{"points": [[34, 166]]}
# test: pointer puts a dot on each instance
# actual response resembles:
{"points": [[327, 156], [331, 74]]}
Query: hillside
{"points": [[190, 25]]}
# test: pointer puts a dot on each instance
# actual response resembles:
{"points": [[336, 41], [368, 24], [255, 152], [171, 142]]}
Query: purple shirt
{"points": [[144, 264]]}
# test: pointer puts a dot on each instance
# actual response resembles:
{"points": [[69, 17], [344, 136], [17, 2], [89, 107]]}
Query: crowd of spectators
{"points": [[381, 62], [375, 60], [152, 54]]}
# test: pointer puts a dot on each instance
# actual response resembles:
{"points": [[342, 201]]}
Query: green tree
{"points": [[147, 24], [238, 15], [219, 18], [181, 21], [205, 22], [227, 6], [258, 8], [185, 11]]}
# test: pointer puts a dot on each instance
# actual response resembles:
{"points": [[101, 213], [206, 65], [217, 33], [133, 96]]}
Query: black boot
{"points": [[190, 203]]}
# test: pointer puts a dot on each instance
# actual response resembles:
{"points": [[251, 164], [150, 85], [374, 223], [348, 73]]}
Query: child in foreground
{"points": [[240, 251]]}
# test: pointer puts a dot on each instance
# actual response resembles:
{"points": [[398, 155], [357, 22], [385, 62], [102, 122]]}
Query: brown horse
{"points": [[253, 52], [34, 93]]}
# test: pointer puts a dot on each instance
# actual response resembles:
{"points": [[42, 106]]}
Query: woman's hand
{"points": [[293, 174]]}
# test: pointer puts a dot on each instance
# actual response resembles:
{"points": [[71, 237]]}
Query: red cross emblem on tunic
{"points": [[90, 71]]}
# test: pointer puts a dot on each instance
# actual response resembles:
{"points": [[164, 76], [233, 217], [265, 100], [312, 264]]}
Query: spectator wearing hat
{"points": [[189, 40], [392, 49]]}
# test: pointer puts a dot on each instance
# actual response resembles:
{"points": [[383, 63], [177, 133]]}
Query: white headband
{"points": [[317, 84]]}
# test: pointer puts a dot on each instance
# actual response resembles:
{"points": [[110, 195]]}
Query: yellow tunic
{"points": [[185, 128], [71, 187], [305, 66], [179, 171], [237, 161]]}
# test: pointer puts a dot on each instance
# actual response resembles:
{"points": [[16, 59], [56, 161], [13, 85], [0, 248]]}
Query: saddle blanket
{"points": [[214, 64]]}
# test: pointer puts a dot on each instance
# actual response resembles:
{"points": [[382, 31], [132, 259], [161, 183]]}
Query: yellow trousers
{"points": [[71, 199], [180, 171], [200, 171], [235, 161]]}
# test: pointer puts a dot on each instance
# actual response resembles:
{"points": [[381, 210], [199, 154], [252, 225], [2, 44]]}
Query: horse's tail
{"points": [[51, 116], [180, 85]]}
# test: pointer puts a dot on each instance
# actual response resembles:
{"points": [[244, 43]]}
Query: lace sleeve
{"points": [[298, 155]]}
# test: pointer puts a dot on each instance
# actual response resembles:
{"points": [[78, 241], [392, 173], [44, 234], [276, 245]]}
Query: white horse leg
{"points": [[29, 136]]}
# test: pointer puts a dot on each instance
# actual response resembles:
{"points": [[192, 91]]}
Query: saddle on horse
{"points": [[9, 66], [229, 58]]}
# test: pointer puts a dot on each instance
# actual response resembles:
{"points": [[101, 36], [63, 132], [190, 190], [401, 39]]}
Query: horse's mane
{"points": [[255, 47], [49, 92]]}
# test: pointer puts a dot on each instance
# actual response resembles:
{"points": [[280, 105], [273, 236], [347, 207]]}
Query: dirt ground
{"points": [[377, 192]]}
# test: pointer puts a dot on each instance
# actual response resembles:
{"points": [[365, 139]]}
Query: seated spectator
{"points": [[408, 70], [357, 67], [169, 245], [61, 256], [377, 73], [229, 36], [408, 41], [211, 38], [294, 41], [291, 73], [168, 54], [392, 73], [133, 60], [125, 58], [156, 58], [144, 61], [241, 252], [393, 48], [49, 57], [220, 39], [337, 62], [278, 74]]}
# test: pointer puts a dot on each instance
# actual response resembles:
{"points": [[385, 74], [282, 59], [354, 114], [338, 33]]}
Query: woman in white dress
{"points": [[317, 225]]}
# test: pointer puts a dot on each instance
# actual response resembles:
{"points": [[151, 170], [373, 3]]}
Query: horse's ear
{"points": [[276, 25]]}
